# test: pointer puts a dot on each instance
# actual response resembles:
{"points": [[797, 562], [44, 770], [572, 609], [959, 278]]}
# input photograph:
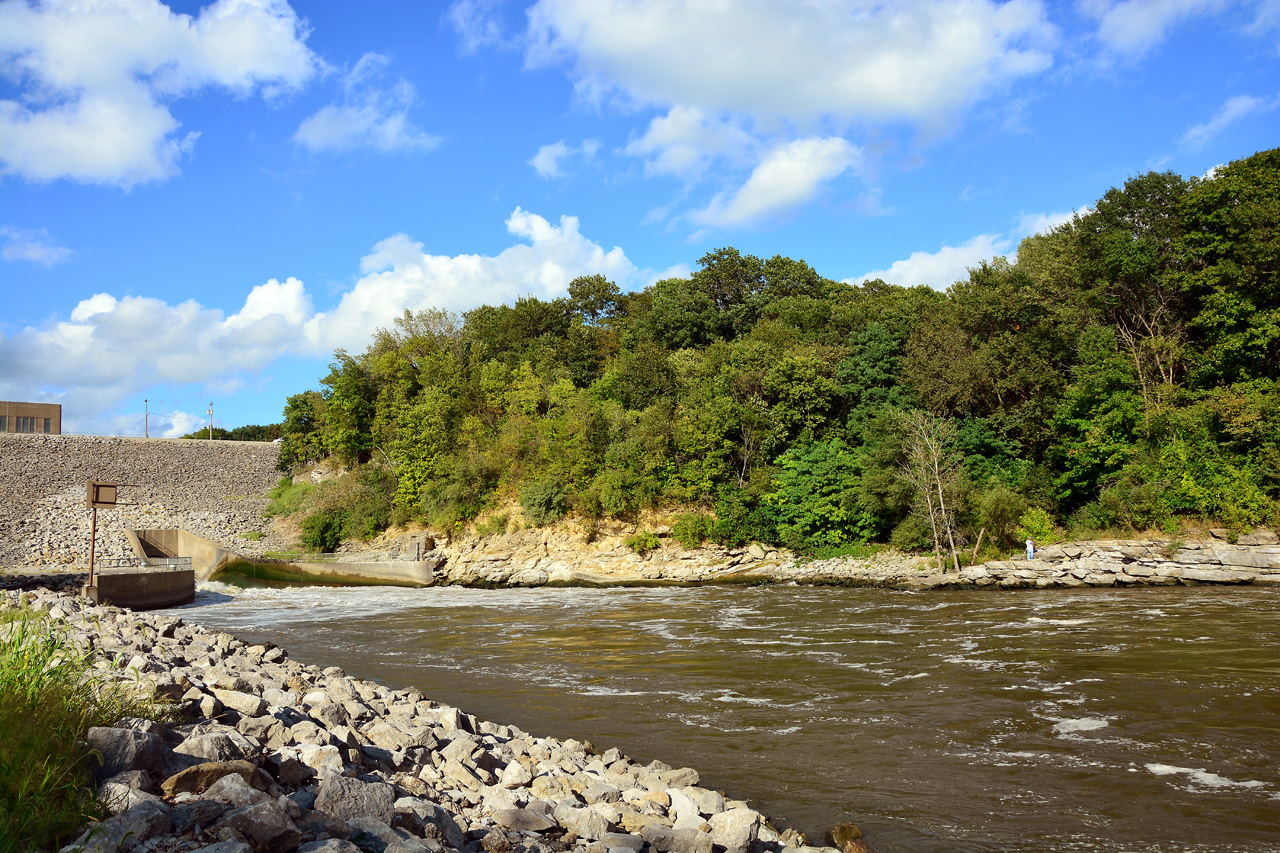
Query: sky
{"points": [[200, 203]]}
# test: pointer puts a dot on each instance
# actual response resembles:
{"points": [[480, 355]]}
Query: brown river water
{"points": [[1056, 720]]}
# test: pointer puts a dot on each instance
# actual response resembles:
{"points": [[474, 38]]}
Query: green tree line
{"points": [[1121, 374]]}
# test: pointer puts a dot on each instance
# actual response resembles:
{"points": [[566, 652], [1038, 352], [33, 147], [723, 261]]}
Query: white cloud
{"points": [[549, 157], [367, 117], [684, 142], [547, 161], [1041, 223], [1236, 108], [1135, 26], [476, 23], [797, 62], [112, 347], [950, 264], [786, 178], [398, 274], [35, 246], [942, 268], [94, 80]]}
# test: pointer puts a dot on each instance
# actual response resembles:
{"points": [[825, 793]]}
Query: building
{"points": [[43, 418]]}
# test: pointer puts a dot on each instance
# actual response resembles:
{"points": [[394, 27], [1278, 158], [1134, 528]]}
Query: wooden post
{"points": [[93, 537]]}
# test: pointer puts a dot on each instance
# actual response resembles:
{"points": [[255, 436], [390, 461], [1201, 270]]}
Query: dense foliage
{"points": [[1122, 373], [248, 432]]}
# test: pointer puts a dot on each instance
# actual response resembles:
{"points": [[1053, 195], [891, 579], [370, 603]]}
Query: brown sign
{"points": [[101, 495]]}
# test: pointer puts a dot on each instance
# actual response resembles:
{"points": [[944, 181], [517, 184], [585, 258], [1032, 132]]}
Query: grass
{"points": [[48, 703]]}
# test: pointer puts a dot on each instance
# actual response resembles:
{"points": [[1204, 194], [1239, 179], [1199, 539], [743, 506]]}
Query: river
{"points": [[1057, 720]]}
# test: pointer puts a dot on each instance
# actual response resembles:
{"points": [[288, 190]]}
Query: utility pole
{"points": [[146, 418], [211, 420]]}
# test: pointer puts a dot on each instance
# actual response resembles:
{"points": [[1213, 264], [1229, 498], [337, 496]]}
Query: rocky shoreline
{"points": [[276, 755], [532, 558]]}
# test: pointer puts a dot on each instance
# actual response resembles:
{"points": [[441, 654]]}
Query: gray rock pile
{"points": [[276, 755], [1252, 558], [216, 489]]}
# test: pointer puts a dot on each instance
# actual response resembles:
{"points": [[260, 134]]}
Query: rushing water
{"points": [[1133, 720]]}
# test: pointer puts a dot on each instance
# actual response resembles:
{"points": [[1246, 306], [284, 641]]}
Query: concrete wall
{"points": [[404, 571], [144, 590], [206, 557], [214, 489]]}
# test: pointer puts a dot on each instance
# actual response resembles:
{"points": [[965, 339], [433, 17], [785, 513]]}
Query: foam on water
{"points": [[1202, 777], [1080, 724]]}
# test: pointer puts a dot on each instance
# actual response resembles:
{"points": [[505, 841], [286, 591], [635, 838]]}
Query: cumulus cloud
{"points": [[94, 80], [34, 246], [780, 60], [942, 268], [1134, 27], [549, 157], [110, 347], [1235, 109], [685, 141], [950, 264], [367, 116], [786, 178]]}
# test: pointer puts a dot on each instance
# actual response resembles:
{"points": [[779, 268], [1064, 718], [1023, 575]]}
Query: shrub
{"points": [[1037, 524], [48, 703], [642, 541], [691, 529], [494, 525], [542, 503], [286, 497], [322, 531], [999, 510]]}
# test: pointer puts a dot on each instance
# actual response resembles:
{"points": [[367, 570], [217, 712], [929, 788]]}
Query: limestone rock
{"points": [[522, 820], [124, 749], [346, 798], [265, 824]]}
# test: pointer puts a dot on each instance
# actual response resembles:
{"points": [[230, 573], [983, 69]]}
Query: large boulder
{"points": [[264, 824], [735, 829], [346, 798], [224, 745], [118, 750]]}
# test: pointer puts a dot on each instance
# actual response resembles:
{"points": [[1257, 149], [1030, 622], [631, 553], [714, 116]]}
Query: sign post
{"points": [[99, 495]]}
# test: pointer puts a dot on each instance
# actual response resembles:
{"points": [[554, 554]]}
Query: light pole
{"points": [[146, 418], [211, 420]]}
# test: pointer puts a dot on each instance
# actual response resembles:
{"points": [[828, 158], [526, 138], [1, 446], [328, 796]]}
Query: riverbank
{"points": [[275, 754], [533, 558]]}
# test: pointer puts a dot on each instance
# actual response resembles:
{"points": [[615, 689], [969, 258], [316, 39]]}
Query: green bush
{"points": [[1037, 524], [287, 497], [543, 503], [322, 531], [999, 510], [691, 529], [494, 525], [642, 541], [48, 702]]}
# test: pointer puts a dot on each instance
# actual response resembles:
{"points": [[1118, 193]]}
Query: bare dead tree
{"points": [[933, 469]]}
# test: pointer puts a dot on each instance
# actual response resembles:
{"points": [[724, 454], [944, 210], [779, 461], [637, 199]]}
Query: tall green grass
{"points": [[49, 700]]}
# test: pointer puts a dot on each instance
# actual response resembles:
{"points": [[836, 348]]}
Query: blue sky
{"points": [[199, 203]]}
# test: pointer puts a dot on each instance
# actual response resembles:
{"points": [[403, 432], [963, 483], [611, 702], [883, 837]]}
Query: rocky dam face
{"points": [[215, 489]]}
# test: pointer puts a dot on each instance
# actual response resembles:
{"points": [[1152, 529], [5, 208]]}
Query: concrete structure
{"points": [[206, 557], [40, 418], [142, 589]]}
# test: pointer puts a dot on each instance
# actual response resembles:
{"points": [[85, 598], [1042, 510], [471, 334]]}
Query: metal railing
{"points": [[154, 564]]}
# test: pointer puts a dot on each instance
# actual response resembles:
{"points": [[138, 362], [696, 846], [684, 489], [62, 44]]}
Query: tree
{"points": [[935, 471]]}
